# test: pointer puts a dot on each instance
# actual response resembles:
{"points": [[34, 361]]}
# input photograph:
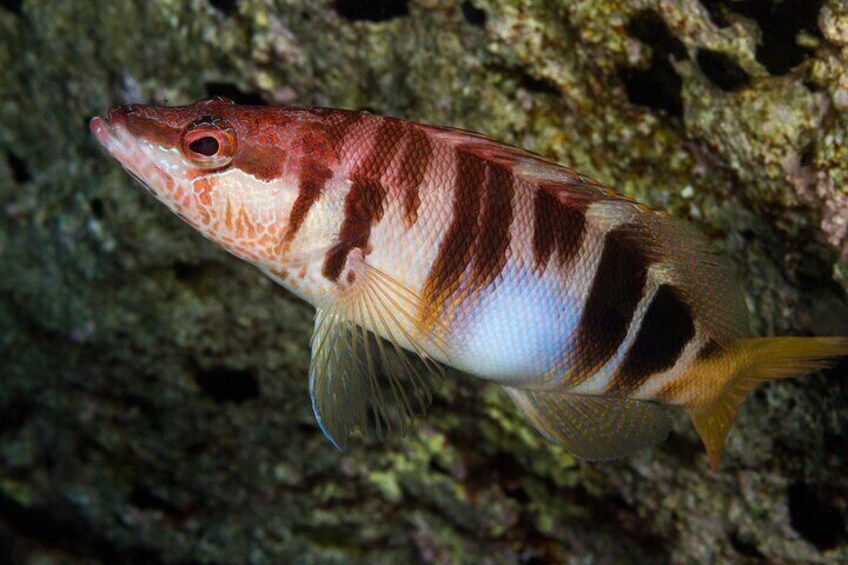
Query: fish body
{"points": [[595, 313]]}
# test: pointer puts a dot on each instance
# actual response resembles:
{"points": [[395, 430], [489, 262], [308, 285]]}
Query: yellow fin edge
{"points": [[751, 362]]}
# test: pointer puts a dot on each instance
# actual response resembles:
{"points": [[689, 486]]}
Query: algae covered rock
{"points": [[154, 402]]}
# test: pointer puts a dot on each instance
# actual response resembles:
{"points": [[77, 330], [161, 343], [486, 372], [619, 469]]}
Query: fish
{"points": [[423, 247]]}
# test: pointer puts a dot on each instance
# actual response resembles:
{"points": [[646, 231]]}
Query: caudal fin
{"points": [[737, 369]]}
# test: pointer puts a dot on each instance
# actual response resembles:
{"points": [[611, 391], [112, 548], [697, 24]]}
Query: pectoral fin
{"points": [[596, 428], [359, 380]]}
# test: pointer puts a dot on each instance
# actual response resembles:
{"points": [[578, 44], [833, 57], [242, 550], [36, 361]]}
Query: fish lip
{"points": [[103, 130], [111, 132]]}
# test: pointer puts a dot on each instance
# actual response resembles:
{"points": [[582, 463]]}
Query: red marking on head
{"points": [[141, 125], [205, 217], [313, 176], [228, 215], [262, 160], [260, 140], [169, 180], [203, 188], [281, 274], [240, 224], [244, 226], [363, 207], [365, 203]]}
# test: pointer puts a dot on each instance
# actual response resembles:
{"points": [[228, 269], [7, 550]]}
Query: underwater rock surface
{"points": [[154, 402]]}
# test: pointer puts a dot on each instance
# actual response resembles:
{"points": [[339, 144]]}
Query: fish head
{"points": [[232, 172]]}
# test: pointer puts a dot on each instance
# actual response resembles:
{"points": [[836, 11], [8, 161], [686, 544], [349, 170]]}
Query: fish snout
{"points": [[102, 130], [117, 115], [105, 129]]}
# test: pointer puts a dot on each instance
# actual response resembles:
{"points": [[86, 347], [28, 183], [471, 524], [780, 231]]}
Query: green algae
{"points": [[154, 391]]}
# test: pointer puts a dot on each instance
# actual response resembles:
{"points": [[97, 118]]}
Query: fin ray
{"points": [[356, 379], [594, 428], [727, 376]]}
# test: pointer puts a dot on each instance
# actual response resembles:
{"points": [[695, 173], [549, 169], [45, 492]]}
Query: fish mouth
{"points": [[107, 129], [102, 130], [112, 134]]}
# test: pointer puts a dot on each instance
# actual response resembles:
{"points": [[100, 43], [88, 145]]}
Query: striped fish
{"points": [[425, 246]]}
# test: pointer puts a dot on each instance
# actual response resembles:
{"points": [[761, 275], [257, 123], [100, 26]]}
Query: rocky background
{"points": [[153, 401]]}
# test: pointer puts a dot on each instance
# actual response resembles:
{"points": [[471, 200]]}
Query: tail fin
{"points": [[745, 364]]}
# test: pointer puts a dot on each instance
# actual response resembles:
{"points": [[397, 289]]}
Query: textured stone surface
{"points": [[153, 401]]}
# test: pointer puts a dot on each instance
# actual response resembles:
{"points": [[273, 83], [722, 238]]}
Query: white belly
{"points": [[516, 332]]}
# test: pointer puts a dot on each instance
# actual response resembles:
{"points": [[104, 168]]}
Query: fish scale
{"points": [[422, 246]]}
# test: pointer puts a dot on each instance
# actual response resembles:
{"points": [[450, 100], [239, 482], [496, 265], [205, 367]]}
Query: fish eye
{"points": [[205, 146], [208, 144]]}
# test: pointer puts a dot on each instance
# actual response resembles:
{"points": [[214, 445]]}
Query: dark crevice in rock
{"points": [[833, 444], [56, 525], [744, 546], [780, 23], [838, 370], [14, 416], [227, 7], [234, 93], [717, 12], [144, 498], [815, 520], [656, 87], [199, 277], [659, 85], [372, 10], [808, 154], [527, 81], [518, 493], [98, 208], [194, 274], [13, 6], [648, 27], [20, 170], [538, 85], [686, 451], [811, 276], [472, 14], [722, 70], [812, 86], [225, 385]]}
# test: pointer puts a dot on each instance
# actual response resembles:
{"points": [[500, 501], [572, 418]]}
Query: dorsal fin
{"points": [[527, 164]]}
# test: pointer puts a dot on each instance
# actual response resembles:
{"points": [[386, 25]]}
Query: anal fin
{"points": [[595, 428]]}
